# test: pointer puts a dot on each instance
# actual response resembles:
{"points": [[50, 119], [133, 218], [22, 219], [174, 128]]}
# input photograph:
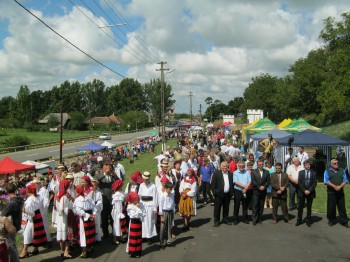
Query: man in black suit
{"points": [[222, 188], [260, 181], [307, 182]]}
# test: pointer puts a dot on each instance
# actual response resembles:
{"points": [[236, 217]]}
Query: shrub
{"points": [[16, 141]]}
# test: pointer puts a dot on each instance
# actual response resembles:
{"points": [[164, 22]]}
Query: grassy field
{"points": [[341, 130], [42, 137]]}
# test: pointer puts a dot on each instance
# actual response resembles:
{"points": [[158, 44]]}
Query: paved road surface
{"points": [[54, 151], [263, 242]]}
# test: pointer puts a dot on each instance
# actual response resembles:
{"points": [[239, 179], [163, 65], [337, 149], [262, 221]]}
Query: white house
{"points": [[254, 114]]}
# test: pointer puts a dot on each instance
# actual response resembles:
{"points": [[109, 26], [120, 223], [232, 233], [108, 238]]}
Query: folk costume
{"points": [[96, 196], [149, 198], [34, 232], [119, 220], [166, 210], [136, 212], [188, 191], [84, 207]]}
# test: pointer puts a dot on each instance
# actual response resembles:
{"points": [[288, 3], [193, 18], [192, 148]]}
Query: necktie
{"points": [[279, 179], [307, 178]]}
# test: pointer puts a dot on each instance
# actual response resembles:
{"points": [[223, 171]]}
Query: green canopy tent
{"points": [[299, 125], [263, 125]]}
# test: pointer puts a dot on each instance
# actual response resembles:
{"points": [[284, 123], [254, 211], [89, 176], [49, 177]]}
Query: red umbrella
{"points": [[9, 166]]}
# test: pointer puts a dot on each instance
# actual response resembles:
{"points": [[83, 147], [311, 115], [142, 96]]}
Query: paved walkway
{"points": [[264, 242]]}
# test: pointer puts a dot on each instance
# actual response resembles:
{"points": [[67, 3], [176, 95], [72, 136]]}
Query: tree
{"points": [[209, 113], [260, 94], [23, 105], [234, 106], [77, 121], [153, 98], [136, 119]]}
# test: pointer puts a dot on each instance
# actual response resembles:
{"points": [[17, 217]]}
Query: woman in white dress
{"points": [[119, 220], [64, 204], [85, 208], [34, 232], [96, 196]]}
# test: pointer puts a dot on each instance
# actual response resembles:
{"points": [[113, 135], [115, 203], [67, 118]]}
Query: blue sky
{"points": [[215, 47]]}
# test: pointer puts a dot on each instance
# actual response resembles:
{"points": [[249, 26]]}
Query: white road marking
{"points": [[32, 155]]}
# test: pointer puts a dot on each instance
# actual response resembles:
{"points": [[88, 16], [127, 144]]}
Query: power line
{"points": [[100, 63], [131, 29]]}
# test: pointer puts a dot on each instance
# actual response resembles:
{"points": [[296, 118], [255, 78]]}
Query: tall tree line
{"points": [[85, 100], [316, 88]]}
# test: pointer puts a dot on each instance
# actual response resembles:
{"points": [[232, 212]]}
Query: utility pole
{"points": [[200, 113], [191, 94], [61, 134], [162, 102]]}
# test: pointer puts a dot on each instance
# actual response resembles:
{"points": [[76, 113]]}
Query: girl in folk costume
{"points": [[136, 212], [44, 198], [149, 198], [64, 206], [86, 183], [134, 184], [119, 220], [55, 183], [96, 196], [34, 232], [176, 171], [187, 206], [85, 208]]}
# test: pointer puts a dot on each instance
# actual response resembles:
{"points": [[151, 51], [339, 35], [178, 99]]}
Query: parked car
{"points": [[105, 136]]}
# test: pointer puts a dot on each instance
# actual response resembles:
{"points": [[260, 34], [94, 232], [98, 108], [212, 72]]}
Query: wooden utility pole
{"points": [[191, 94], [162, 101], [61, 134]]}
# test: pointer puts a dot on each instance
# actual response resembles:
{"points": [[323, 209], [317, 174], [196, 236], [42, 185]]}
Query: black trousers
{"points": [[293, 193], [223, 202], [106, 216], [239, 198], [283, 203], [258, 204], [336, 199], [309, 201], [206, 190]]}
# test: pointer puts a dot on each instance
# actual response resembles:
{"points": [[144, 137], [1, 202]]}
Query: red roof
{"points": [[9, 166]]}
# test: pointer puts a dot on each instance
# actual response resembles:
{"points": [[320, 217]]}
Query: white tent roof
{"points": [[107, 144], [38, 166]]}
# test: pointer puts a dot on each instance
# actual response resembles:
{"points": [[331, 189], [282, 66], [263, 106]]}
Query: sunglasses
{"points": [[336, 163]]}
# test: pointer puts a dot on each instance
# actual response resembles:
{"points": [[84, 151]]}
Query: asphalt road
{"points": [[263, 242], [68, 149]]}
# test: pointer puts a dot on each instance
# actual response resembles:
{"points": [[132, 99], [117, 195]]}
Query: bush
{"points": [[17, 141]]}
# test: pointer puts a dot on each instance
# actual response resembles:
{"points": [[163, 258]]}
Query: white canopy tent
{"points": [[39, 167], [108, 144]]}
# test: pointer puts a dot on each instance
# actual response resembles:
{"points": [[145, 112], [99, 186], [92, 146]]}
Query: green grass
{"points": [[341, 130], [42, 137]]}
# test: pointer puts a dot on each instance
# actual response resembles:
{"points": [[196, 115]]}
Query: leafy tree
{"points": [[77, 121], [234, 106], [135, 119], [153, 98], [6, 103], [22, 112], [260, 94]]}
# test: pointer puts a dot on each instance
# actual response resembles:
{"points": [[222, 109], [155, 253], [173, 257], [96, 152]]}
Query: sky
{"points": [[211, 48]]}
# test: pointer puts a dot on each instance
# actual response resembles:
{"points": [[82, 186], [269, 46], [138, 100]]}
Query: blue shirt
{"points": [[241, 177], [206, 173], [326, 176]]}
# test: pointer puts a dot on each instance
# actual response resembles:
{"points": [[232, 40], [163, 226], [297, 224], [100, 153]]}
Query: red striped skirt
{"points": [[90, 230], [72, 226], [39, 238], [135, 237], [123, 225]]}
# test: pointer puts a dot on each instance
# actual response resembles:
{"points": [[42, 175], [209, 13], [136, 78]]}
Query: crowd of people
{"points": [[206, 168]]}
